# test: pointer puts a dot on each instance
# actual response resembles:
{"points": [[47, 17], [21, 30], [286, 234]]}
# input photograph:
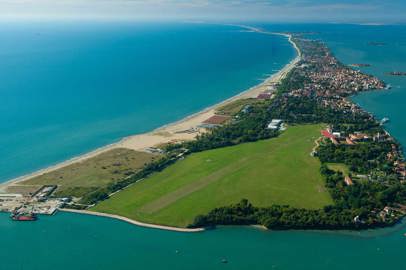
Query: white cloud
{"points": [[281, 10]]}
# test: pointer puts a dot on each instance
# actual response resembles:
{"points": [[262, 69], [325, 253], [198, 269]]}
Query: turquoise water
{"points": [[67, 88], [71, 241]]}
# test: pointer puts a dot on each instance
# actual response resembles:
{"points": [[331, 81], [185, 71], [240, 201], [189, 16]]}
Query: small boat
{"points": [[360, 65], [388, 86], [385, 120], [224, 261], [397, 73], [23, 216]]}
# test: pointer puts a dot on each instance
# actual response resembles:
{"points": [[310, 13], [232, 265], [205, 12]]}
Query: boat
{"points": [[376, 43], [385, 120], [397, 73], [388, 86], [360, 65], [23, 216]]}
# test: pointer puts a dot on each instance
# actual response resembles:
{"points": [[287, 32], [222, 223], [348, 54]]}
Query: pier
{"points": [[26, 207]]}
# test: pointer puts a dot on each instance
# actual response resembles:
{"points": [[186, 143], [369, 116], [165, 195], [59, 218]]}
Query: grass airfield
{"points": [[275, 171]]}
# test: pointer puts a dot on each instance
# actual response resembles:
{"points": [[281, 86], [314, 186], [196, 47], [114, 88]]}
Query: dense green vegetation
{"points": [[267, 172], [293, 80], [339, 167], [351, 203], [360, 158], [247, 127], [276, 217], [237, 106], [309, 110]]}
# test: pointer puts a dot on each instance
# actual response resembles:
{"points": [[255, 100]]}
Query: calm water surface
{"points": [[67, 88], [73, 241]]}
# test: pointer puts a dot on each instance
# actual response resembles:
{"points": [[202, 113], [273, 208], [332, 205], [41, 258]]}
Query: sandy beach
{"points": [[177, 131]]}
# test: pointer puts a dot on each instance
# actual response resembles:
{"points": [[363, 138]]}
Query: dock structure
{"points": [[27, 206]]}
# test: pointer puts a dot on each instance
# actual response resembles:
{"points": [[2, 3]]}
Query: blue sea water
{"points": [[71, 241], [74, 241], [67, 88]]}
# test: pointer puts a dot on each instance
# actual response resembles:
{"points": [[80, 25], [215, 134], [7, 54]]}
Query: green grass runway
{"points": [[274, 171]]}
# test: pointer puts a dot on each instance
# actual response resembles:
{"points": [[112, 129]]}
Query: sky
{"points": [[349, 11]]}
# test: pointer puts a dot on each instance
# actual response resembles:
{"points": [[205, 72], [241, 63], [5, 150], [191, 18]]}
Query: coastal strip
{"points": [[173, 131], [134, 222]]}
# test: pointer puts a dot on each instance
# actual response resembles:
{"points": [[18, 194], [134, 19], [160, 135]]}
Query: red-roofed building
{"points": [[214, 121], [348, 181], [327, 134], [330, 136]]}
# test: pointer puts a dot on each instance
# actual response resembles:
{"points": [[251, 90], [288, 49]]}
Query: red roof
{"points": [[348, 181], [216, 119], [327, 134]]}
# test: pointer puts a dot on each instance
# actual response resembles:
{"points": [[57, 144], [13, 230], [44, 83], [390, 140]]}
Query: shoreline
{"points": [[133, 222], [171, 131]]}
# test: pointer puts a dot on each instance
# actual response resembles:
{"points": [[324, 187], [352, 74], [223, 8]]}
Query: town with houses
{"points": [[331, 83]]}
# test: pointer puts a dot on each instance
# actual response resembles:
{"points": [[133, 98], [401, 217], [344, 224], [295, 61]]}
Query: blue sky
{"points": [[356, 11]]}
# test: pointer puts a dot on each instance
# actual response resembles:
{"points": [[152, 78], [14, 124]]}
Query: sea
{"points": [[67, 88]]}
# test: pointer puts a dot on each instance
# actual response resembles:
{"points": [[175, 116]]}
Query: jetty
{"points": [[360, 65], [397, 73]]}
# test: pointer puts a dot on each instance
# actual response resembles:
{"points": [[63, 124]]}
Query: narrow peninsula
{"points": [[291, 153]]}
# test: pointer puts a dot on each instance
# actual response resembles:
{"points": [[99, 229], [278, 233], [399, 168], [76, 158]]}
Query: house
{"points": [[348, 181], [154, 150], [329, 135], [349, 141], [357, 137], [246, 109], [214, 121], [276, 124], [387, 211]]}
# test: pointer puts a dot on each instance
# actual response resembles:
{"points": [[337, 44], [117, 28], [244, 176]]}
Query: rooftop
{"points": [[216, 120]]}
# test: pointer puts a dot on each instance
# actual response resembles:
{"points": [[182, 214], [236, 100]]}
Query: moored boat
{"points": [[23, 216], [385, 120]]}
